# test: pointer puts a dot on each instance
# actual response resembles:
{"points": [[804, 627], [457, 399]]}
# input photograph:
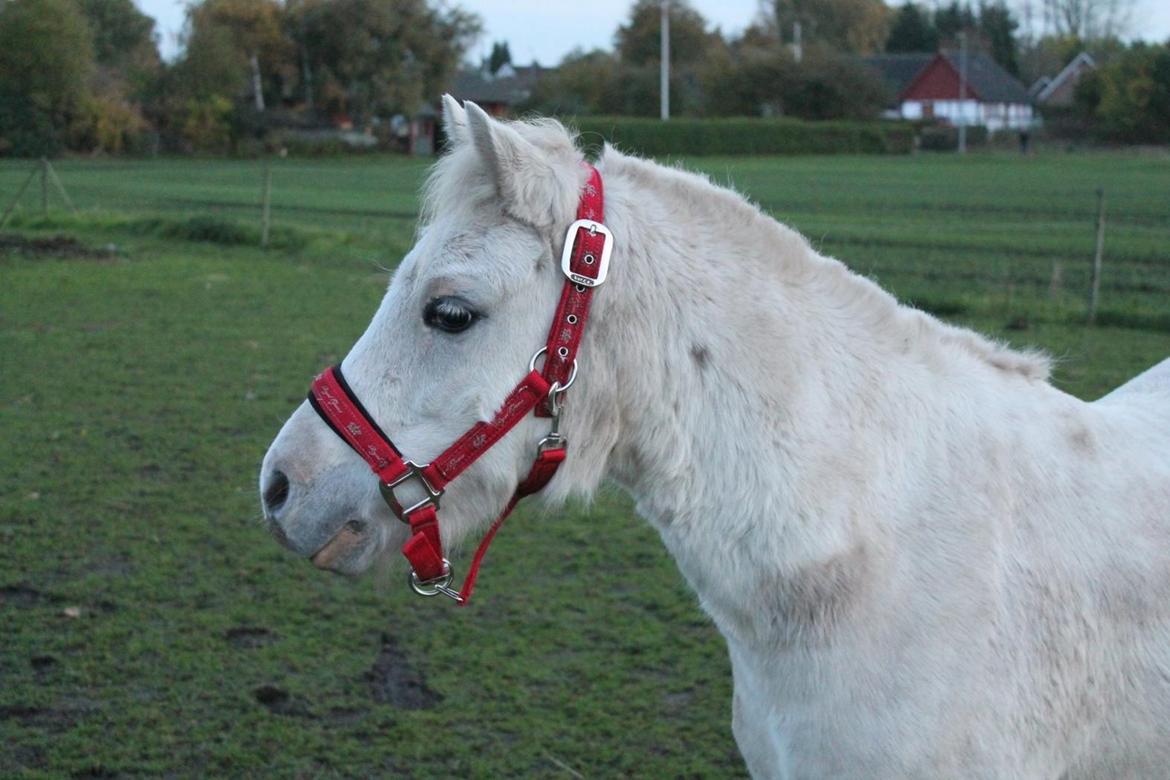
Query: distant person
{"points": [[1025, 139]]}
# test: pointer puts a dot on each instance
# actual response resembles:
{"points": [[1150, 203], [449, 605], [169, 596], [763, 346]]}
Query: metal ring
{"points": [[556, 387], [589, 258], [581, 288], [532, 363], [571, 319], [563, 352], [552, 441], [433, 587]]}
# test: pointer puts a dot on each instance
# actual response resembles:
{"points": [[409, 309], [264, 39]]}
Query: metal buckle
{"points": [[602, 262], [553, 441], [440, 584], [556, 388], [412, 470]]}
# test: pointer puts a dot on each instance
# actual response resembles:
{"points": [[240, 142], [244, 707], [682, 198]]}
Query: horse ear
{"points": [[454, 121], [532, 188]]}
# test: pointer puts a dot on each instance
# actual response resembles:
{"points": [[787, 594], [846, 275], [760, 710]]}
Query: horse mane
{"points": [[460, 181], [799, 263]]}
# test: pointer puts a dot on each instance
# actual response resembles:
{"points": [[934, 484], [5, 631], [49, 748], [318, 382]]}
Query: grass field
{"points": [[149, 627]]}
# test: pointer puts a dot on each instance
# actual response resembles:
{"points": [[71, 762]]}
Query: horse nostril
{"points": [[276, 493]]}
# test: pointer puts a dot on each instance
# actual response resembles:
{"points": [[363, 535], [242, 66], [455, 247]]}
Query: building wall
{"points": [[1064, 93], [938, 82], [993, 116]]}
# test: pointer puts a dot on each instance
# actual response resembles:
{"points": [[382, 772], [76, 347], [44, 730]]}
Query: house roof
{"points": [[512, 87], [986, 79], [898, 70], [1070, 71]]}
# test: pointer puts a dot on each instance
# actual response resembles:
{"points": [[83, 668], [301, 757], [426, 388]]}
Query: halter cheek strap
{"points": [[585, 264]]}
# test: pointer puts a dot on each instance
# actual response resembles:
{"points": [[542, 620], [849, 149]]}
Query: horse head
{"points": [[464, 314]]}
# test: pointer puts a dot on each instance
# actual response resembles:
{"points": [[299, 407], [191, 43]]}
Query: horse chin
{"points": [[352, 549]]}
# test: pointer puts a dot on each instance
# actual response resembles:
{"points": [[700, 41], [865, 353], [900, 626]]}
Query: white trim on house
{"points": [[994, 116], [1069, 70]]}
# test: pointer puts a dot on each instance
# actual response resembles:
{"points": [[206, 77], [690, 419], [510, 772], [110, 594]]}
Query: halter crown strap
{"points": [[585, 261]]}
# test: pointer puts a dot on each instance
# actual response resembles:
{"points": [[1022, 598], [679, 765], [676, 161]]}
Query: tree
{"points": [[951, 20], [1088, 19], [46, 53], [832, 85], [1129, 97], [584, 83], [499, 57], [857, 26], [247, 32], [638, 41], [997, 28], [383, 57], [912, 31], [128, 68], [46, 58], [748, 80], [122, 35]]}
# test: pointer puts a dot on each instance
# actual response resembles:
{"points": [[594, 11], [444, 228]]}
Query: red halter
{"points": [[585, 262]]}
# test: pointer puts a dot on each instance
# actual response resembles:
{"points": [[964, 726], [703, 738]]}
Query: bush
{"points": [[653, 137], [25, 130], [944, 138], [205, 124], [107, 123], [321, 143]]}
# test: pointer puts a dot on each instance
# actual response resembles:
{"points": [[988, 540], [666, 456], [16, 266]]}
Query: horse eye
{"points": [[449, 314]]}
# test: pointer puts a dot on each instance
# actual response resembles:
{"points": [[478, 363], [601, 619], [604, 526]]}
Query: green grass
{"points": [[141, 383]]}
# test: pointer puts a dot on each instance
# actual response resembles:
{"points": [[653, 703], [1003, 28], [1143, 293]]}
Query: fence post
{"points": [[1098, 257], [44, 186], [266, 204], [61, 187], [19, 194]]}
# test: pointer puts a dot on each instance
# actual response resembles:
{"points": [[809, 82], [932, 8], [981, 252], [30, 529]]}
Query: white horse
{"points": [[926, 561]]}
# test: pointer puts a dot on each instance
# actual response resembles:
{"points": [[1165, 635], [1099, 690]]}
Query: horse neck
{"points": [[762, 391]]}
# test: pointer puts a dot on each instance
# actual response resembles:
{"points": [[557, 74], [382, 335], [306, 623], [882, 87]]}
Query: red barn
{"points": [[926, 86]]}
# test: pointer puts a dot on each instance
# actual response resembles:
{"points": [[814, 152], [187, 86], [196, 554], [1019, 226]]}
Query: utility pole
{"points": [[257, 84], [1098, 256], [797, 48], [962, 92], [664, 70]]}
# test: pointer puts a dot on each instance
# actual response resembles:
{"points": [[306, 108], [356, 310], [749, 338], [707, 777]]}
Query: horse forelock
{"points": [[462, 181]]}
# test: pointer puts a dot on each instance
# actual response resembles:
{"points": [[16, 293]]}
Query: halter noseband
{"points": [[585, 263]]}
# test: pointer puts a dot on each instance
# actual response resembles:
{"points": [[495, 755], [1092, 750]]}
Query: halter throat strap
{"points": [[585, 264]]}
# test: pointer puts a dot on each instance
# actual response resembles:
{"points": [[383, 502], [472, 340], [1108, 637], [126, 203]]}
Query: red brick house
{"points": [[926, 86]]}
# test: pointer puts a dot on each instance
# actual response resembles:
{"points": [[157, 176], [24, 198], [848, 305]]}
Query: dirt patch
{"points": [[25, 596], [249, 636], [278, 701], [53, 246], [393, 680], [54, 720], [25, 756], [43, 664]]}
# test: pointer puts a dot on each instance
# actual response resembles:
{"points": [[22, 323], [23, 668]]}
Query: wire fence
{"points": [[1020, 240]]}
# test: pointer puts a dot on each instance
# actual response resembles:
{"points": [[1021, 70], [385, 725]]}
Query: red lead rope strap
{"points": [[584, 262]]}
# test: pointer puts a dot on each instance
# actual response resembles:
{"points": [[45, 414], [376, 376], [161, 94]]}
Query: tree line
{"points": [[767, 69], [86, 74]]}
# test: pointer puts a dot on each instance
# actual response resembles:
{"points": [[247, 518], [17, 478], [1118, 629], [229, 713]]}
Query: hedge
{"points": [[943, 138], [655, 138]]}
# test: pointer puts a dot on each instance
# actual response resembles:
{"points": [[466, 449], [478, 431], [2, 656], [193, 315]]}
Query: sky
{"points": [[547, 30]]}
